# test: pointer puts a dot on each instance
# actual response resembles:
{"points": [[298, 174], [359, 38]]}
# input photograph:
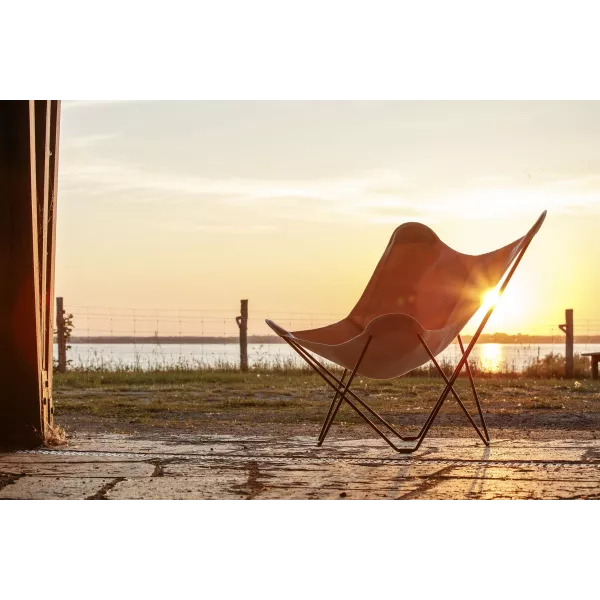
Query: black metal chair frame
{"points": [[343, 393]]}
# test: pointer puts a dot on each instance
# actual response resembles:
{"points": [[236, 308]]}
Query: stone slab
{"points": [[235, 467]]}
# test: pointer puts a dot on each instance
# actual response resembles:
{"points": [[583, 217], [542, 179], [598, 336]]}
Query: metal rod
{"points": [[316, 366], [349, 382], [335, 397], [435, 362], [476, 396], [319, 368], [473, 341]]}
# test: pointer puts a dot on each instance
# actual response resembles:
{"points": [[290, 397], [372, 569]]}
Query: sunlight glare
{"points": [[491, 357], [490, 298]]}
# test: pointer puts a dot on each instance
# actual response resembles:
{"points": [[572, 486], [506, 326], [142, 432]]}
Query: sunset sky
{"points": [[194, 205]]}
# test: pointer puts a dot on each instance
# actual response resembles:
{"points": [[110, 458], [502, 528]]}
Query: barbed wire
{"points": [[190, 337]]}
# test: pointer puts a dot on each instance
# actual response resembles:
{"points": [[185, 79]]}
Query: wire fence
{"points": [[102, 337], [93, 322], [157, 338]]}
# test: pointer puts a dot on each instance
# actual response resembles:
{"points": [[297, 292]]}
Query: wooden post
{"points": [[61, 337], [48, 337], [569, 343], [28, 137], [568, 330], [242, 322], [43, 128]]}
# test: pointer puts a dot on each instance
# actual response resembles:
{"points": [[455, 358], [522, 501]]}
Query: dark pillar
{"points": [[26, 263]]}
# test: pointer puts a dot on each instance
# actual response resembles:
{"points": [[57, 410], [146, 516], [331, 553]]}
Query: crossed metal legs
{"points": [[344, 393]]}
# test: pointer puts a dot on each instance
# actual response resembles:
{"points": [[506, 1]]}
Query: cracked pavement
{"points": [[116, 466]]}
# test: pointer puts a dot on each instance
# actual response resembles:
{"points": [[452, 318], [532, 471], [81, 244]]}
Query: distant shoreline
{"points": [[489, 338]]}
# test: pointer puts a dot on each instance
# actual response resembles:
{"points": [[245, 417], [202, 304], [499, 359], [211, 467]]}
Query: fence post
{"points": [[61, 336], [242, 322], [567, 329]]}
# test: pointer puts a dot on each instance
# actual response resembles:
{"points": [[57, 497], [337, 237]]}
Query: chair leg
{"points": [[463, 360], [378, 431], [450, 383], [326, 423], [435, 362], [333, 412], [475, 395], [444, 395], [321, 370], [341, 392], [330, 378], [344, 392]]}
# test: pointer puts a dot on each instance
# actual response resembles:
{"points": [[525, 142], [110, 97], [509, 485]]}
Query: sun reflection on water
{"points": [[491, 357]]}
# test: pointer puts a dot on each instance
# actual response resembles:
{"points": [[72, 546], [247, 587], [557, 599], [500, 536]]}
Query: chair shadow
{"points": [[479, 476]]}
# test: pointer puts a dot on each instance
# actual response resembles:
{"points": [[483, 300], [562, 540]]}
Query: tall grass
{"points": [[552, 366], [158, 366]]}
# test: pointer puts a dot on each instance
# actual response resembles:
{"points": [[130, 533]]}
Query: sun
{"points": [[489, 298], [508, 314]]}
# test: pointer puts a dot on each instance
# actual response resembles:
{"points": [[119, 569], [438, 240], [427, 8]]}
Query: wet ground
{"points": [[118, 466]]}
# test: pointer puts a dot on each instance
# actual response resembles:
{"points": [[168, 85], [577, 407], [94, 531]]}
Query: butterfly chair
{"points": [[416, 303]]}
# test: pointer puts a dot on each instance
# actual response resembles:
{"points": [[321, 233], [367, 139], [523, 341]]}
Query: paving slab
{"points": [[55, 488], [259, 467]]}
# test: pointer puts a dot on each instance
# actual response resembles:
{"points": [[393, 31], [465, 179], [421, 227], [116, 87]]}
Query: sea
{"points": [[489, 357]]}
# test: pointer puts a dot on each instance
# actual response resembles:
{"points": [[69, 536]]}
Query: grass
{"points": [[55, 436], [224, 401], [553, 366], [103, 374], [159, 367], [219, 399]]}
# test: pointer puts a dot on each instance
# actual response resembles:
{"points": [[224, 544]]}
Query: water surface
{"points": [[491, 357]]}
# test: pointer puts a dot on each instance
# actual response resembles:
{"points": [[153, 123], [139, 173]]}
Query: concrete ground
{"points": [[231, 467]]}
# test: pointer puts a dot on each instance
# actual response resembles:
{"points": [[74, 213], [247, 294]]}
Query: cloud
{"points": [[69, 104], [86, 141], [374, 197], [214, 228]]}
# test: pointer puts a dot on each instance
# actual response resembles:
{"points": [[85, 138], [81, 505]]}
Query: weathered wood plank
{"points": [[595, 358], [48, 340]]}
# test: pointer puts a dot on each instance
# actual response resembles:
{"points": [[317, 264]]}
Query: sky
{"points": [[192, 206]]}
